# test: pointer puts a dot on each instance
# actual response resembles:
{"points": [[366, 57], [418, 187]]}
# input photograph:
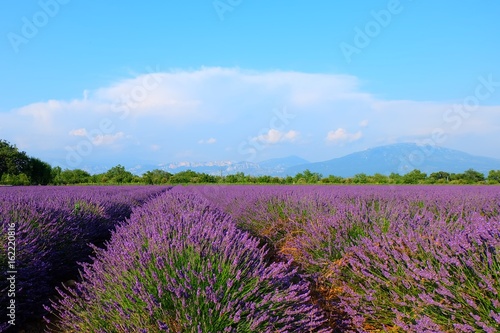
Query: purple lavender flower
{"points": [[184, 264]]}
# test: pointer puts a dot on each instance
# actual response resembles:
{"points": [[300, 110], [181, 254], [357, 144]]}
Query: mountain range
{"points": [[398, 158]]}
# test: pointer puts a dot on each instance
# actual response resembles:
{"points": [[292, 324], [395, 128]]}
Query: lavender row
{"points": [[53, 227], [409, 259], [426, 282], [180, 265]]}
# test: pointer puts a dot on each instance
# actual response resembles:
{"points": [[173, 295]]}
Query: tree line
{"points": [[16, 168]]}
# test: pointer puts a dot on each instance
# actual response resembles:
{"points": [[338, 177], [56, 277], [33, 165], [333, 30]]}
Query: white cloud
{"points": [[78, 132], [341, 135], [107, 139], [99, 138], [274, 136], [168, 109], [364, 123], [208, 141]]}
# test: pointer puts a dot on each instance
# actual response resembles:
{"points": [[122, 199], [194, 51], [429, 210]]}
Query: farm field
{"points": [[384, 258], [256, 258], [45, 232]]}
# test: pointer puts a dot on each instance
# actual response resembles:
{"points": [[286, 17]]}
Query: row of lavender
{"points": [[181, 265], [52, 228], [399, 259]]}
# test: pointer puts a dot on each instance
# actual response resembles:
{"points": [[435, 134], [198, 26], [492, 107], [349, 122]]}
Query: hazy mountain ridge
{"points": [[398, 158], [401, 158]]}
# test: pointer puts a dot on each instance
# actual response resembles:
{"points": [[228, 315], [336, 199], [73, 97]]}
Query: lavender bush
{"points": [[179, 265], [425, 282], [53, 226], [378, 258], [401, 259]]}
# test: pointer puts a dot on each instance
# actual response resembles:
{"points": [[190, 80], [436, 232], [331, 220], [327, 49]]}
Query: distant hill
{"points": [[273, 167], [400, 158], [279, 166]]}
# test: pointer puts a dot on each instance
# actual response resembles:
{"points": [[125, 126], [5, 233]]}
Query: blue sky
{"points": [[97, 83]]}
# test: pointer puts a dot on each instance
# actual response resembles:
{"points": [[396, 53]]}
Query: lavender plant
{"points": [[420, 282], [53, 226], [399, 259], [402, 259], [180, 265]]}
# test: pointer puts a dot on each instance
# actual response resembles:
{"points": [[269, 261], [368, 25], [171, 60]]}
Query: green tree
{"points": [[312, 177], [238, 177], [414, 177], [395, 178], [71, 177], [16, 167], [307, 177], [206, 178], [119, 175], [264, 179], [184, 177], [457, 178], [156, 176], [56, 175], [472, 176], [12, 161], [494, 176], [360, 178], [231, 179], [40, 172], [440, 177], [277, 180], [379, 178], [331, 179], [10, 179]]}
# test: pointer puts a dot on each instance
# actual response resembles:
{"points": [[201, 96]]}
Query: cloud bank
{"points": [[341, 135], [235, 114]]}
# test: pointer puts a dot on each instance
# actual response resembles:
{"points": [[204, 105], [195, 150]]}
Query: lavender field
{"points": [[256, 258], [46, 231], [396, 259]]}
